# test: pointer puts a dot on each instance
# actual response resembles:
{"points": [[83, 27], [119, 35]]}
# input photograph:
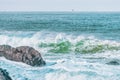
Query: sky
{"points": [[59, 5]]}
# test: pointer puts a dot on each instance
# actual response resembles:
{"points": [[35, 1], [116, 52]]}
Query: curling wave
{"points": [[52, 42]]}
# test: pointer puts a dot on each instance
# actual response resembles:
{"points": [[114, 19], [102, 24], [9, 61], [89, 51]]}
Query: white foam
{"points": [[64, 76], [34, 39]]}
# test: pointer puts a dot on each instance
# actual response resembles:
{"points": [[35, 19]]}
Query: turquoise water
{"points": [[75, 46]]}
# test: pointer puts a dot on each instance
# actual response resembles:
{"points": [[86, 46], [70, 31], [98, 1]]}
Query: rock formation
{"points": [[114, 62], [4, 75], [24, 54]]}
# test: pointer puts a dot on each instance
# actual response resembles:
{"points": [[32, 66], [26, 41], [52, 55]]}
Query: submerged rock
{"points": [[24, 54], [4, 75], [114, 62]]}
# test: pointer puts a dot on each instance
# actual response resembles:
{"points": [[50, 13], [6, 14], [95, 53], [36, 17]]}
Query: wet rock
{"points": [[114, 62], [4, 75], [24, 54]]}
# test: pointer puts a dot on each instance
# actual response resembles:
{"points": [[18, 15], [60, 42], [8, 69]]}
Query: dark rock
{"points": [[24, 54], [4, 75], [113, 63]]}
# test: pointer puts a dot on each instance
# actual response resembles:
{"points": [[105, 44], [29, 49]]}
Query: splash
{"points": [[53, 42]]}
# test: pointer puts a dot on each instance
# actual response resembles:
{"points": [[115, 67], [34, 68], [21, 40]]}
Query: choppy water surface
{"points": [[75, 46]]}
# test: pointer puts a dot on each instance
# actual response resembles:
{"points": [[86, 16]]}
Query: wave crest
{"points": [[53, 42], [82, 46]]}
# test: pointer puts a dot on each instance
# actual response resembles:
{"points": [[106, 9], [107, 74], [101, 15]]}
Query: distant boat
{"points": [[72, 10]]}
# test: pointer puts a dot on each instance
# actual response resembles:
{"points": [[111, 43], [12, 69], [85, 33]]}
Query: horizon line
{"points": [[51, 11]]}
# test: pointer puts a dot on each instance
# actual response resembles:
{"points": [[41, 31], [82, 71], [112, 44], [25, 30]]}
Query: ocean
{"points": [[75, 45]]}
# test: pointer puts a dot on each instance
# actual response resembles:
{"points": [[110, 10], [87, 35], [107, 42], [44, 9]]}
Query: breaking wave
{"points": [[82, 46], [52, 42]]}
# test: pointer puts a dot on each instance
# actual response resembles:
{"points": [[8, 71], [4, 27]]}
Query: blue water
{"points": [[75, 45]]}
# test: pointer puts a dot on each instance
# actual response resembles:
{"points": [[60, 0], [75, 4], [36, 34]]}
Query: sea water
{"points": [[75, 45]]}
